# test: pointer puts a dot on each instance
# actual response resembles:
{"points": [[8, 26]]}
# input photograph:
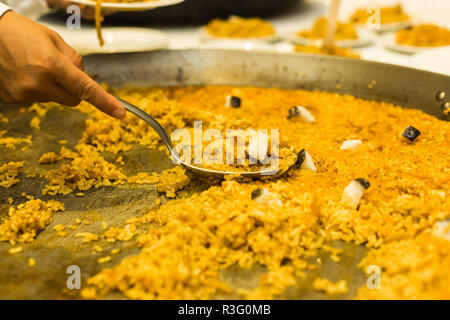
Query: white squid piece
{"points": [[441, 229], [305, 161], [301, 113], [264, 196], [351, 144], [258, 145], [354, 192]]}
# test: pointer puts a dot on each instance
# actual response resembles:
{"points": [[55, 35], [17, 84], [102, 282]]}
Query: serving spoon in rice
{"points": [[196, 170]]}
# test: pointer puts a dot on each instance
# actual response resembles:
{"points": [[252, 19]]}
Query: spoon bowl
{"points": [[194, 169]]}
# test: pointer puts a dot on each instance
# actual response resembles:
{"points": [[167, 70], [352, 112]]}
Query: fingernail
{"points": [[119, 113]]}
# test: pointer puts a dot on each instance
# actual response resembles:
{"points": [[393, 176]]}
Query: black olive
{"points": [[294, 112], [301, 156], [363, 182], [411, 133], [256, 193], [234, 102]]}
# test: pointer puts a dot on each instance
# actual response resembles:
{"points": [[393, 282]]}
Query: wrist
{"points": [[4, 17]]}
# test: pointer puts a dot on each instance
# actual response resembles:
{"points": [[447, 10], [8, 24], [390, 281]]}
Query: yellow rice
{"points": [[188, 241]]}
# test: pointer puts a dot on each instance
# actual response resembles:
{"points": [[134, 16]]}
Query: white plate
{"points": [[117, 40], [387, 27], [205, 36], [137, 6], [391, 44], [364, 39], [434, 60]]}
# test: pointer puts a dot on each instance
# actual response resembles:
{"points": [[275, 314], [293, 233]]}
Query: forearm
{"points": [[29, 8]]}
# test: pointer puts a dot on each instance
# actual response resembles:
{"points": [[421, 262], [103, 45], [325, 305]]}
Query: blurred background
{"points": [[177, 26], [198, 12]]}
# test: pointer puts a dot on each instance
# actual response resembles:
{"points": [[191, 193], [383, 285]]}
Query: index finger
{"points": [[85, 88]]}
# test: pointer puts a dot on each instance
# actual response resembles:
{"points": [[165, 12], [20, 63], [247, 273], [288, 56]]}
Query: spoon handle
{"points": [[149, 119], [331, 25]]}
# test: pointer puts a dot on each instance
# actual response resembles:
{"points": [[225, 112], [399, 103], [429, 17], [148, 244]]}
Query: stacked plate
{"points": [[130, 6]]}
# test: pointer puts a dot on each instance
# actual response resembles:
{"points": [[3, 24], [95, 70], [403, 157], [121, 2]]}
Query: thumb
{"points": [[83, 87]]}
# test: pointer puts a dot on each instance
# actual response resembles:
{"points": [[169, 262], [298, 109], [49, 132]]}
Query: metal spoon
{"points": [[165, 138], [328, 43]]}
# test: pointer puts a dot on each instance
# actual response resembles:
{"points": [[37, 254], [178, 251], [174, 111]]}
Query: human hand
{"points": [[36, 65]]}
